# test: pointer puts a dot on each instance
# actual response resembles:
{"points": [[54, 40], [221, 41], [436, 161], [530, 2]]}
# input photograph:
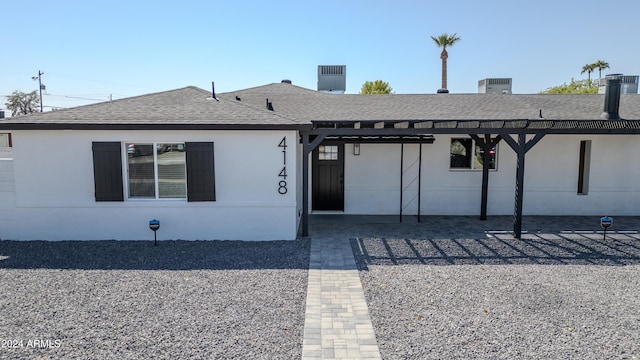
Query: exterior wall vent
{"points": [[495, 86], [332, 78], [628, 84]]}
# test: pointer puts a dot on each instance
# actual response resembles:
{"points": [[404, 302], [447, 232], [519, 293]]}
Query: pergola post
{"points": [[517, 212], [486, 144], [521, 148], [401, 176], [305, 183]]}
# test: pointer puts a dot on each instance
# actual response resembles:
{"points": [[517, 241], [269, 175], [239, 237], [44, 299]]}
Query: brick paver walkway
{"points": [[337, 323]]}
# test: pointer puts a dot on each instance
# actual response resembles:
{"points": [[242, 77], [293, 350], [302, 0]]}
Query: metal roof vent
{"points": [[612, 97], [332, 78], [286, 81]]}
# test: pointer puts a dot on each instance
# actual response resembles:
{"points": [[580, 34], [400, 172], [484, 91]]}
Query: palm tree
{"points": [[443, 41], [588, 69], [601, 65]]}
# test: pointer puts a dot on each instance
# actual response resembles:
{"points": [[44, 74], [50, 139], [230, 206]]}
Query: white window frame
{"points": [[474, 146], [125, 173]]}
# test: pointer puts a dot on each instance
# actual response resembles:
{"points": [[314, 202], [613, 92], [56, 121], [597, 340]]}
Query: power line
{"points": [[78, 97]]}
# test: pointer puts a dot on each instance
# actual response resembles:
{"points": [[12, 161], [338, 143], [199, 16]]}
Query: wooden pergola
{"points": [[520, 134]]}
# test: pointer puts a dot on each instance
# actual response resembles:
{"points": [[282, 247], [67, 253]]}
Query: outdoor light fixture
{"points": [[356, 149], [605, 223], [154, 225]]}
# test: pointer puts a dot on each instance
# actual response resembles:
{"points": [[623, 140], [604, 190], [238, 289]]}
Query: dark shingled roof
{"points": [[295, 107], [185, 106], [309, 105]]}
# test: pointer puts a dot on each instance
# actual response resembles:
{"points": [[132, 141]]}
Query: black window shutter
{"points": [[201, 184], [107, 171]]}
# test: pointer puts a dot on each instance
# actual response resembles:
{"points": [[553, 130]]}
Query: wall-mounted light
{"points": [[356, 149]]}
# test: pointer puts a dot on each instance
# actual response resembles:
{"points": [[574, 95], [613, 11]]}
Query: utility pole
{"points": [[39, 78]]}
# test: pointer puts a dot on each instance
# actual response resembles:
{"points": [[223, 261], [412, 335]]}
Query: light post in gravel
{"points": [[606, 222], [154, 225]]}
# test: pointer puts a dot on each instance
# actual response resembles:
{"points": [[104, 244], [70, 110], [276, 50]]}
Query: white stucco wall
{"points": [[47, 190], [372, 179], [54, 190]]}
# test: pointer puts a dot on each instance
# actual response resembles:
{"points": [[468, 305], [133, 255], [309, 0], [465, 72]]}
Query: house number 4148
{"points": [[282, 176]]}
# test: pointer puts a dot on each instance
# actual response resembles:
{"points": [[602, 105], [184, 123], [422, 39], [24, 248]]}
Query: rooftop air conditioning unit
{"points": [[628, 84], [332, 78], [495, 86]]}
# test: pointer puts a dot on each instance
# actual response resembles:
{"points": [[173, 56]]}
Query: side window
{"points": [[461, 150], [5, 140], [466, 154], [584, 164]]}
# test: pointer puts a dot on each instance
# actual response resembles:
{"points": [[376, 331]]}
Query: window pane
{"points": [[172, 178], [141, 170], [460, 153], [328, 152], [4, 140], [478, 158]]}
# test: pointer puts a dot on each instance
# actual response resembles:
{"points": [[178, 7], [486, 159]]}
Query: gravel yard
{"points": [[561, 295], [131, 300], [450, 287]]}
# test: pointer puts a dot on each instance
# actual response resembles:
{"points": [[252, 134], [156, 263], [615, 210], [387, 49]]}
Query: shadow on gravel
{"points": [[143, 255], [500, 248]]}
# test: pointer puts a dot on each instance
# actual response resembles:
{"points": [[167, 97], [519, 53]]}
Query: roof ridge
{"points": [[272, 84]]}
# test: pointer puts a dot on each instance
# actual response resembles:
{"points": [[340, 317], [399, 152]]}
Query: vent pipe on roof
{"points": [[612, 98], [213, 91], [269, 105]]}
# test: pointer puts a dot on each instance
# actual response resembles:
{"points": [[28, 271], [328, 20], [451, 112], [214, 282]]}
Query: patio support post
{"points": [[486, 158], [305, 183], [521, 148], [419, 178], [401, 176], [486, 145], [517, 212]]}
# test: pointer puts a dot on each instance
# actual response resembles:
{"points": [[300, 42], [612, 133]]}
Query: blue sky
{"points": [[89, 50]]}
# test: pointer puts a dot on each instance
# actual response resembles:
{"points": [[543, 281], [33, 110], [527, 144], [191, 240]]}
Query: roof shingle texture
{"points": [[305, 104], [189, 105], [295, 106]]}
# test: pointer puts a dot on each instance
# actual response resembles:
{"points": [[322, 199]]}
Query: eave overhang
{"points": [[150, 126]]}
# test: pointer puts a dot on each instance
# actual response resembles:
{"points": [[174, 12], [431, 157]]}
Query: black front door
{"points": [[328, 177]]}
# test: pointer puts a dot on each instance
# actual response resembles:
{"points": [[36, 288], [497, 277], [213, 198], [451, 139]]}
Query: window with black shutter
{"points": [[107, 171], [200, 171], [154, 171]]}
